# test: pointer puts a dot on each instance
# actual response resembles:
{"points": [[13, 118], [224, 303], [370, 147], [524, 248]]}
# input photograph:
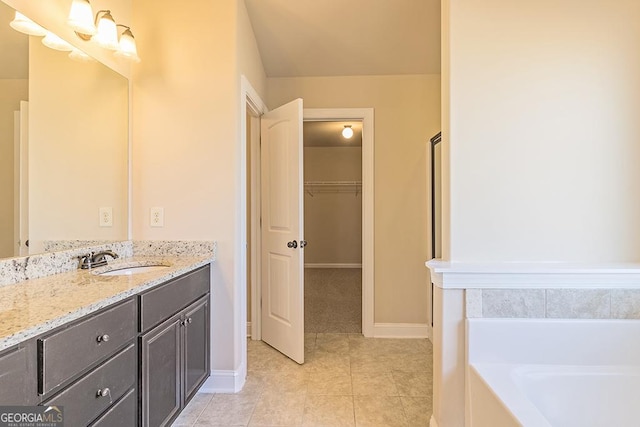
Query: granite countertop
{"points": [[33, 307]]}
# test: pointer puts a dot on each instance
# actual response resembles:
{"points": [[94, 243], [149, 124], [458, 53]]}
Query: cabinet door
{"points": [[196, 346], [18, 376], [160, 378]]}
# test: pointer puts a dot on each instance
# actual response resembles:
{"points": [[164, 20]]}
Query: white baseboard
{"points": [[331, 265], [248, 329], [401, 330], [222, 381]]}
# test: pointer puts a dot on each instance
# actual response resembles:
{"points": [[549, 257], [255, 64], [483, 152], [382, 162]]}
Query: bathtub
{"points": [[553, 373]]}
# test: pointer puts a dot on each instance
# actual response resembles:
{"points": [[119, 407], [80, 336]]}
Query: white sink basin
{"points": [[138, 269]]}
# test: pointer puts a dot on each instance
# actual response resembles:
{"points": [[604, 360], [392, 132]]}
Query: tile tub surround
{"points": [[64, 258], [33, 307], [553, 303]]}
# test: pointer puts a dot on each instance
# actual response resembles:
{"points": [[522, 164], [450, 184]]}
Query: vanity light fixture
{"points": [[347, 132], [102, 29], [54, 42], [26, 26]]}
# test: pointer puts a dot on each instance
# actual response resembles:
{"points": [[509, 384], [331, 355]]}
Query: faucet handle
{"points": [[85, 261]]}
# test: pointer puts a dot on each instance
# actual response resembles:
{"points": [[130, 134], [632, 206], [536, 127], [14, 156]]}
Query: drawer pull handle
{"points": [[104, 392], [103, 338]]}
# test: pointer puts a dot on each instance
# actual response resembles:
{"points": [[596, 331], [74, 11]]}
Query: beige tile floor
{"points": [[347, 380]]}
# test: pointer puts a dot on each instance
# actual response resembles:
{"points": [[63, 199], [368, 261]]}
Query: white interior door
{"points": [[282, 254]]}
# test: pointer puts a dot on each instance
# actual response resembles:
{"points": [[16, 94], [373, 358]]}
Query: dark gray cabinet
{"points": [[174, 345], [64, 354], [174, 363], [122, 413], [95, 392], [18, 379], [196, 347], [137, 362], [89, 365], [161, 370]]}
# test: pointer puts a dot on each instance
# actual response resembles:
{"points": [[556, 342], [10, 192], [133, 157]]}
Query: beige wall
{"points": [[544, 130], [407, 114], [12, 91], [78, 125], [186, 130], [333, 220]]}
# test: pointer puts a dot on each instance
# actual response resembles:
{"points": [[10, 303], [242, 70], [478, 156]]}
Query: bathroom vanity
{"points": [[130, 350]]}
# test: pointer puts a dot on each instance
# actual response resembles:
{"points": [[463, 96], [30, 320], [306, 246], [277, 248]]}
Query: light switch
{"points": [[156, 219]]}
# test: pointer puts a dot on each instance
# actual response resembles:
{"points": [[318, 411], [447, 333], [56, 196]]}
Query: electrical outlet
{"points": [[156, 218], [106, 217]]}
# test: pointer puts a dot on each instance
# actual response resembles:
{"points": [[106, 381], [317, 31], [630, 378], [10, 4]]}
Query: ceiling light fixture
{"points": [[347, 132], [26, 26]]}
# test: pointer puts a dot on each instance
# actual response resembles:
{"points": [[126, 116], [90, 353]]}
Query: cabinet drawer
{"points": [[164, 301], [70, 351], [18, 379], [81, 401], [123, 413]]}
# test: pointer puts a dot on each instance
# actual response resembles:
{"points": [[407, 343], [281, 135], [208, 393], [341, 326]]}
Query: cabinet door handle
{"points": [[189, 320], [103, 338], [103, 392]]}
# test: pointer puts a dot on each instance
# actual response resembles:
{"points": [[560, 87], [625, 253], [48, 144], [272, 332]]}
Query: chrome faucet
{"points": [[92, 259]]}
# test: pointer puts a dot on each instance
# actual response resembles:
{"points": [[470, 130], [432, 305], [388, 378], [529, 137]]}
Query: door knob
{"points": [[292, 244], [303, 243]]}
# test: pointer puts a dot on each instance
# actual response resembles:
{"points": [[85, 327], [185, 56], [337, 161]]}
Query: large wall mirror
{"points": [[63, 146]]}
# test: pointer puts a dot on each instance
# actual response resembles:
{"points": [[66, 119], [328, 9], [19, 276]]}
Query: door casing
{"points": [[252, 103], [365, 115]]}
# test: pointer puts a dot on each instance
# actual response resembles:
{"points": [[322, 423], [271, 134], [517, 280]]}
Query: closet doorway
{"points": [[333, 226]]}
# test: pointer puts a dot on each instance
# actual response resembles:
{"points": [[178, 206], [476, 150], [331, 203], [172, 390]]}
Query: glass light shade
{"points": [[347, 132], [107, 35], [26, 26], [127, 48], [81, 17], [80, 56], [54, 42]]}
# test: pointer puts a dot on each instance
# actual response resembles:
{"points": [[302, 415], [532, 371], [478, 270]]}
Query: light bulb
{"points": [[81, 17], [127, 47], [347, 132], [107, 35]]}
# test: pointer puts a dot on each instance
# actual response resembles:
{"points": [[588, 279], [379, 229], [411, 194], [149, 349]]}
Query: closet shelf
{"points": [[312, 187]]}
